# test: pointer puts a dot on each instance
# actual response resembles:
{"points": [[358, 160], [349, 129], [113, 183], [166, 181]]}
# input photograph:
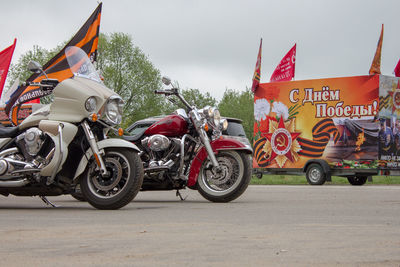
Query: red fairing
{"points": [[171, 125], [217, 145]]}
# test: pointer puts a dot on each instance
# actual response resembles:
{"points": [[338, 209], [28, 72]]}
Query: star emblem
{"points": [[395, 94], [281, 144]]}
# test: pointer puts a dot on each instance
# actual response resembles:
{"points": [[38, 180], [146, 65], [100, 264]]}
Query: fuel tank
{"points": [[171, 125]]}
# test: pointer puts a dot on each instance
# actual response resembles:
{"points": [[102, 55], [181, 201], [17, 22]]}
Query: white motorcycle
{"points": [[65, 143]]}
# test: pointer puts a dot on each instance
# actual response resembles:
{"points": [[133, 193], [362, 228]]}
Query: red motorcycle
{"points": [[186, 149]]}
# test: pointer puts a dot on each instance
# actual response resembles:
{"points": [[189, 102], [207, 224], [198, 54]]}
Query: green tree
{"points": [[239, 105], [194, 97], [198, 99], [128, 71], [20, 70]]}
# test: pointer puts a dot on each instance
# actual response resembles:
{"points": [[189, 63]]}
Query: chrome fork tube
{"points": [[181, 165], [206, 142], [197, 121], [95, 149]]}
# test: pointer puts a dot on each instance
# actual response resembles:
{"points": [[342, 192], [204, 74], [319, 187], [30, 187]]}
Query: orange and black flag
{"points": [[57, 68], [256, 76], [376, 62]]}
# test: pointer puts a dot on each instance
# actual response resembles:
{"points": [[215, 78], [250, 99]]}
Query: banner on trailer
{"points": [[389, 124], [334, 119]]}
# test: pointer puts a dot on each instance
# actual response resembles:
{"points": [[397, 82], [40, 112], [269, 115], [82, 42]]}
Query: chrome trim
{"points": [[197, 121], [207, 145], [93, 145], [17, 183], [181, 166], [12, 150]]}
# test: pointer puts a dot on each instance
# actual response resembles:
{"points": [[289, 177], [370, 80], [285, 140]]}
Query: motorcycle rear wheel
{"points": [[230, 182], [120, 186]]}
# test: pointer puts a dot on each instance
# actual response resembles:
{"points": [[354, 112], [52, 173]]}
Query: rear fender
{"points": [[106, 143], [217, 145]]}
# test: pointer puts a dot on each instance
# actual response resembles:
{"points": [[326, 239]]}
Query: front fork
{"points": [[198, 124], [206, 142], [95, 149]]}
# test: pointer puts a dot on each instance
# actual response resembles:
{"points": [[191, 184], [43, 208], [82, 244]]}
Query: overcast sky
{"points": [[212, 45]]}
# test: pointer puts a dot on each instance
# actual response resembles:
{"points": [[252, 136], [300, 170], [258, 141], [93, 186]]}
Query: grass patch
{"points": [[301, 180]]}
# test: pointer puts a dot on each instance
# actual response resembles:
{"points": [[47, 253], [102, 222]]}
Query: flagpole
{"points": [[295, 55]]}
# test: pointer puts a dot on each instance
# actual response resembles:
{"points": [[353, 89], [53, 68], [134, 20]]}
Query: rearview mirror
{"points": [[166, 80], [34, 66]]}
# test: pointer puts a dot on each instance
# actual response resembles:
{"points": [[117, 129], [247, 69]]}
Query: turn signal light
{"points": [[93, 117], [120, 131], [206, 127]]}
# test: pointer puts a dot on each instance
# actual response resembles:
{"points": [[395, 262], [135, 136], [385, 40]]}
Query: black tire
{"points": [[315, 174], [78, 194], [232, 181], [120, 187], [357, 180]]}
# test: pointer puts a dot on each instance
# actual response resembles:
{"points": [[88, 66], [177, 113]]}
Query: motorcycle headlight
{"points": [[113, 110], [216, 117], [212, 114], [224, 124], [91, 104], [208, 111]]}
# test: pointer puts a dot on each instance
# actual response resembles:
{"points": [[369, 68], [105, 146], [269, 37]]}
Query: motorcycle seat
{"points": [[132, 138], [8, 131]]}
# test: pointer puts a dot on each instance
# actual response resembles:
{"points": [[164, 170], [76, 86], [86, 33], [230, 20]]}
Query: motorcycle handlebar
{"points": [[173, 91], [45, 84], [159, 92], [165, 92]]}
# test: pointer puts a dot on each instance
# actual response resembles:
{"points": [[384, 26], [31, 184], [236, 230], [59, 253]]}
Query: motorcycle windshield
{"points": [[80, 64]]}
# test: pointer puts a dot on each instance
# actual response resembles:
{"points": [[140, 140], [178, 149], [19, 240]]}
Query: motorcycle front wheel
{"points": [[119, 186], [229, 181], [77, 194]]}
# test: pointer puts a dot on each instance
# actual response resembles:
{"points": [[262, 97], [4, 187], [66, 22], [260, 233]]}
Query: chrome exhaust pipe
{"points": [[6, 152], [16, 183]]}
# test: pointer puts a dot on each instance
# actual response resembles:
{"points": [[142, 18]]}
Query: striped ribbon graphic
{"points": [[384, 102], [321, 133], [259, 154], [314, 148]]}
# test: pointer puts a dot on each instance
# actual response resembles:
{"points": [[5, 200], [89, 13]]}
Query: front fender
{"points": [[106, 143], [217, 145]]}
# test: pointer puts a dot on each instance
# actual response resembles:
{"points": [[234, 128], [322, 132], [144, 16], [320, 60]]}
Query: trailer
{"points": [[346, 126]]}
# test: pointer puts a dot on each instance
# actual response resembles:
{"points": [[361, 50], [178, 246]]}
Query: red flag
{"points": [[397, 69], [285, 70], [376, 62], [256, 76], [5, 59], [57, 67]]}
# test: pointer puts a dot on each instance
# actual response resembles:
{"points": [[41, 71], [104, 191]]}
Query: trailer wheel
{"points": [[315, 174], [357, 180]]}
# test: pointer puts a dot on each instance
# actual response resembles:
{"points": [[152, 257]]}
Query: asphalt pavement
{"points": [[268, 226]]}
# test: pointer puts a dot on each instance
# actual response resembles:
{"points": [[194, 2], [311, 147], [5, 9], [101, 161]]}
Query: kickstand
{"points": [[45, 200], [178, 194]]}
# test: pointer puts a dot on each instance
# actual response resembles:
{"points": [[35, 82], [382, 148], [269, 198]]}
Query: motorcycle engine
{"points": [[158, 142], [32, 140]]}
